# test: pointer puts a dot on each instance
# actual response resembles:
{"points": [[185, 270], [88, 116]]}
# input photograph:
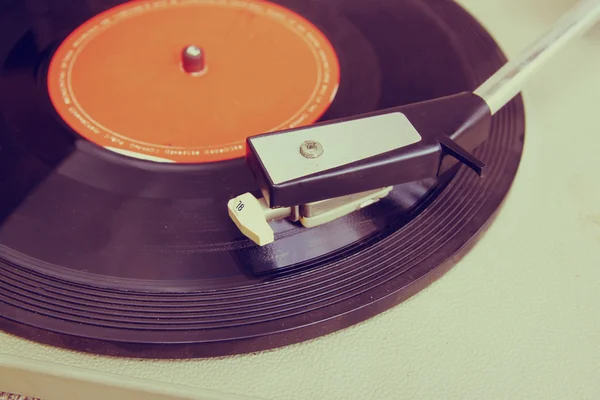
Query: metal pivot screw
{"points": [[311, 149]]}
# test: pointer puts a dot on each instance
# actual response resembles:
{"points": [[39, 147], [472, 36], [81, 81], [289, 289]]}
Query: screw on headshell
{"points": [[311, 149]]}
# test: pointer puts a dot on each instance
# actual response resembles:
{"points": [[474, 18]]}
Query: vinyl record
{"points": [[116, 166]]}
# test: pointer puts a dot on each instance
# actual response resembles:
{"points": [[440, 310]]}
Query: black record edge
{"points": [[379, 278]]}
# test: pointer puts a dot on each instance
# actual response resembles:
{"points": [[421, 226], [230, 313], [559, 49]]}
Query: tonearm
{"points": [[316, 174]]}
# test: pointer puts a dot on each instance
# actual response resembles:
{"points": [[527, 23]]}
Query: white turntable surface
{"points": [[518, 317]]}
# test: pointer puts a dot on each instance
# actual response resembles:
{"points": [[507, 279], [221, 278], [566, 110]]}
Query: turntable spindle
{"points": [[193, 59]]}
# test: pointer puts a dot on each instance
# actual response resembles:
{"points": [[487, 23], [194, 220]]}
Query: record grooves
{"points": [[163, 273]]}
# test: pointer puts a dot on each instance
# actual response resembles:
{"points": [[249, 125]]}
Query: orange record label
{"points": [[120, 80]]}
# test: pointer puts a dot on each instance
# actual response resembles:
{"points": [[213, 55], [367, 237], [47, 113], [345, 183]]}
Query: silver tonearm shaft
{"points": [[505, 84]]}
